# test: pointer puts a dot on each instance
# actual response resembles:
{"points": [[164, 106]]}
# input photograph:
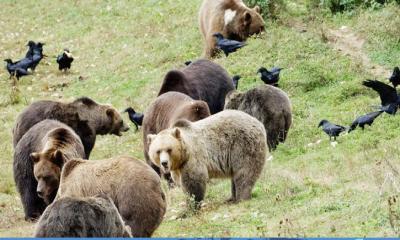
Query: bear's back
{"points": [[30, 116], [81, 217]]}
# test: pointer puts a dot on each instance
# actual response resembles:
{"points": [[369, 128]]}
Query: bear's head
{"points": [[194, 111], [116, 124], [245, 22], [47, 170], [166, 149], [104, 119], [233, 100]]}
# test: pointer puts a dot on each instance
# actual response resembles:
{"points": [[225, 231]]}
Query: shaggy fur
{"points": [[231, 18], [81, 217], [201, 80], [50, 144], [102, 119], [164, 112], [230, 144], [270, 105], [132, 185]]}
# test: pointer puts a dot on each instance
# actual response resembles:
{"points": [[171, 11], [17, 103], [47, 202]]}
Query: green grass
{"points": [[123, 49]]}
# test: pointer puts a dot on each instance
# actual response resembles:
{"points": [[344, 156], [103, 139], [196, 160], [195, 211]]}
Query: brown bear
{"points": [[164, 111], [230, 144], [133, 185], [232, 18], [38, 159], [82, 217], [268, 104], [102, 119], [201, 80]]}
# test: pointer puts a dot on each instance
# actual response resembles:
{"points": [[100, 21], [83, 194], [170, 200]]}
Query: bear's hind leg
{"points": [[243, 185]]}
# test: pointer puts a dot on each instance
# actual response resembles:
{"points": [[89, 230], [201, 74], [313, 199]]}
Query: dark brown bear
{"points": [[38, 158], [165, 111], [82, 217], [270, 105], [201, 80], [102, 119]]}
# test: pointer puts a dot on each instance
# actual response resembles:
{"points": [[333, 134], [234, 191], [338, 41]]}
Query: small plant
{"points": [[269, 8], [338, 6], [394, 214], [15, 94]]}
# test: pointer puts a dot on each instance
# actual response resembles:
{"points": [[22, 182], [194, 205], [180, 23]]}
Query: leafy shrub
{"points": [[269, 8], [337, 6]]}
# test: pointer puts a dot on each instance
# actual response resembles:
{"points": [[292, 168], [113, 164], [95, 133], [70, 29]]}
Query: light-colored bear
{"points": [[229, 144]]}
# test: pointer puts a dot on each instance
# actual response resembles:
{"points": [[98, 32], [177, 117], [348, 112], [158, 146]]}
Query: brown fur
{"points": [[132, 185], [270, 105], [101, 119], [201, 80], [164, 112], [230, 144], [38, 159], [245, 23], [82, 217]]}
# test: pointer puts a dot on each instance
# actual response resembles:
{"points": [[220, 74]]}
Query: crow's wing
{"points": [[59, 58], [373, 115], [276, 69], [387, 93], [22, 72]]}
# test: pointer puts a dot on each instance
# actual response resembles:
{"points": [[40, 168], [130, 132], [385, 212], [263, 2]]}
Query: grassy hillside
{"points": [[123, 49]]}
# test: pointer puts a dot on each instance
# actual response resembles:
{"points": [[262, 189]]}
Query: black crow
{"points": [[331, 129], [388, 94], [136, 118], [226, 45], [15, 70], [363, 120], [187, 63], [395, 78], [270, 77], [30, 45], [235, 80], [64, 60], [37, 55]]}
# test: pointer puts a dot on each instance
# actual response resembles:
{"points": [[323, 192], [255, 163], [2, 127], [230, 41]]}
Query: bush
{"points": [[338, 6], [269, 8]]}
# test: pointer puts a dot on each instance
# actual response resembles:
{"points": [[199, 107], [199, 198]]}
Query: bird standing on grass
{"points": [[389, 99], [270, 77], [363, 120], [331, 129], [235, 80], [395, 78], [187, 63], [226, 45], [136, 118], [16, 70], [64, 60]]}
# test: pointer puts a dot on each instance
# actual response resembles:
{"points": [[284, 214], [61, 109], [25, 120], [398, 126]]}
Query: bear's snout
{"points": [[164, 161]]}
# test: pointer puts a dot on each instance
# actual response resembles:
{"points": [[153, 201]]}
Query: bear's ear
{"points": [[177, 133], [257, 9], [247, 18], [110, 112], [58, 158], [35, 157], [201, 109], [150, 138], [182, 123]]}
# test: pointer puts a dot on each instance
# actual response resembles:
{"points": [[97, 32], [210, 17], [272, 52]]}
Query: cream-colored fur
{"points": [[230, 144]]}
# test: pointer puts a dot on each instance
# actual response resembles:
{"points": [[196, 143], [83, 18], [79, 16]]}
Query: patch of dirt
{"points": [[350, 44]]}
